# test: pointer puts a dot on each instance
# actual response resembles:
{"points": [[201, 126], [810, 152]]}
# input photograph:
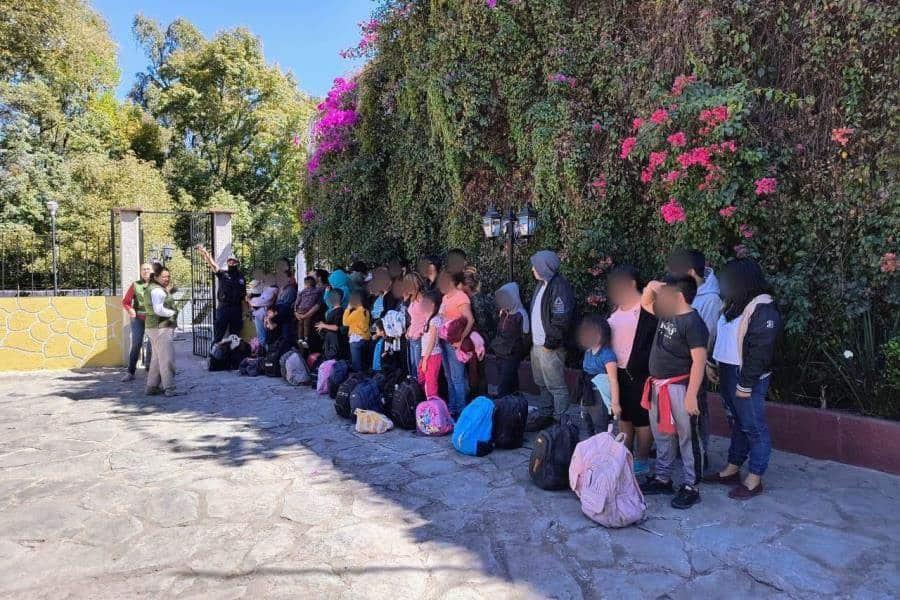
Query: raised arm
{"points": [[206, 256]]}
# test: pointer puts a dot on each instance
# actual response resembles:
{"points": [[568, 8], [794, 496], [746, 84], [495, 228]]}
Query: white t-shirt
{"points": [[538, 335], [726, 349], [434, 327]]}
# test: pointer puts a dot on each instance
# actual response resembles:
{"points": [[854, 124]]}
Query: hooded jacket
{"points": [[708, 303], [341, 281], [558, 301], [513, 325]]}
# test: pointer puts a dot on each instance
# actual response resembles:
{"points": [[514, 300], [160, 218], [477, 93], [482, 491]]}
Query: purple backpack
{"points": [[322, 377], [433, 417], [602, 476]]}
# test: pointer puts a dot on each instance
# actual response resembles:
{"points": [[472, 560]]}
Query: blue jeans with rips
{"points": [[747, 417]]}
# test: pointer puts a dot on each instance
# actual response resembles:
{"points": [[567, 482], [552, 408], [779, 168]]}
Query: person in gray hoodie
{"points": [[552, 317], [510, 342], [708, 303]]}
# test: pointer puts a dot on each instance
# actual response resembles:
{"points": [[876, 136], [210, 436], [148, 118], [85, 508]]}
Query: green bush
{"points": [[794, 106]]}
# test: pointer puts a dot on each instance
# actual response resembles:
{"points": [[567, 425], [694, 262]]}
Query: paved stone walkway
{"points": [[248, 488]]}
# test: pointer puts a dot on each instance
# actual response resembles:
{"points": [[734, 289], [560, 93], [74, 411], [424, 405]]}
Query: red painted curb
{"points": [[820, 434]]}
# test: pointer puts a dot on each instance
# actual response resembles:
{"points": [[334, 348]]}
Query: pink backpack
{"points": [[322, 377], [433, 417], [602, 476]]}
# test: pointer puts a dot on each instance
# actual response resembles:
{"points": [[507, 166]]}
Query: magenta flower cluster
{"points": [[337, 117]]}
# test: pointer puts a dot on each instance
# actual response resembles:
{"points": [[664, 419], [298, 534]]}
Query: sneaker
{"points": [[537, 422], [127, 377], [656, 486], [687, 496], [641, 467], [153, 391]]}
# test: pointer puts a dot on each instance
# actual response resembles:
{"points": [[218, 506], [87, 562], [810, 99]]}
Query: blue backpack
{"points": [[472, 433], [367, 396], [339, 373]]}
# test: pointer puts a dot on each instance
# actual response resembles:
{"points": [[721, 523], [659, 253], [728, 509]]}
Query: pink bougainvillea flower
{"points": [[657, 159], [599, 186], [681, 82], [672, 212], [712, 117], [659, 116], [491, 3], [627, 144], [308, 215], [295, 140], [672, 176], [596, 127], [595, 299], [728, 211], [600, 266], [766, 185], [646, 175], [695, 156], [677, 139], [728, 146], [888, 262], [746, 231], [841, 135], [637, 123]]}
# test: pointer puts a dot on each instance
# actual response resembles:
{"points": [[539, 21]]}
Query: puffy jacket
{"points": [[757, 342]]}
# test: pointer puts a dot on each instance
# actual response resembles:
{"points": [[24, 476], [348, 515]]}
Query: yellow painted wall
{"points": [[60, 332]]}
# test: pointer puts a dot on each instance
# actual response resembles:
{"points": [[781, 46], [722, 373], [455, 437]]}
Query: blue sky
{"points": [[303, 36]]}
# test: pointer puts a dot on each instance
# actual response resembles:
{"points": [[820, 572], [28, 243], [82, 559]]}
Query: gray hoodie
{"points": [[707, 302], [508, 299], [546, 263]]}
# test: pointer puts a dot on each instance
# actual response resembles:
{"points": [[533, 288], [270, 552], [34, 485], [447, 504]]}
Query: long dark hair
{"points": [[434, 297], [742, 280]]}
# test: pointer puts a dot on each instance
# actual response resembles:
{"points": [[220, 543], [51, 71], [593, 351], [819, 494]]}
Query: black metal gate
{"points": [[203, 289]]}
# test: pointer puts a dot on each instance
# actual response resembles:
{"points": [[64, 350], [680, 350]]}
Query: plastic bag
{"points": [[369, 421]]}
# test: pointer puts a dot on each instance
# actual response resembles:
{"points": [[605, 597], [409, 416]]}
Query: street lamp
{"points": [[53, 206], [521, 226], [167, 253]]}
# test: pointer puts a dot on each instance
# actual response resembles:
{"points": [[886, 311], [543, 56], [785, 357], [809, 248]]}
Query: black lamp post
{"points": [[167, 253], [521, 226], [52, 207]]}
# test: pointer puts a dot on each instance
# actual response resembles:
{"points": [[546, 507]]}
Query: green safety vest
{"points": [[140, 289], [153, 320]]}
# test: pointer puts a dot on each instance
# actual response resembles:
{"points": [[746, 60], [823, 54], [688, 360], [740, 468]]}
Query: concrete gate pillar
{"points": [[222, 243], [129, 264]]}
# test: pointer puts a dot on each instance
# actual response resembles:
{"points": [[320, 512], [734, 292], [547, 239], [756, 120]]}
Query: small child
{"points": [[270, 322], [430, 365], [333, 338], [378, 352], [308, 303], [509, 345], [356, 320], [595, 337], [677, 366]]}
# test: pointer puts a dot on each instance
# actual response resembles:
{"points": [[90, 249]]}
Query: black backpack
{"points": [[552, 453], [340, 370], [219, 357], [510, 414], [366, 395], [402, 408], [342, 398], [273, 357], [387, 381], [251, 366], [237, 356]]}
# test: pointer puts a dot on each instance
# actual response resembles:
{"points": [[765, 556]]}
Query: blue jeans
{"points": [[415, 357], [137, 340], [747, 417], [457, 382], [358, 352], [260, 330]]}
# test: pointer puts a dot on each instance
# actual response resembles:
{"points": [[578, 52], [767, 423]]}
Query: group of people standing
{"points": [[649, 362]]}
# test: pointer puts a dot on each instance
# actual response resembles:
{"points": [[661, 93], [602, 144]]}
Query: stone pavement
{"points": [[249, 488]]}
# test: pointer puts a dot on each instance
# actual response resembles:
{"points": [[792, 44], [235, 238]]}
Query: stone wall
{"points": [[60, 332]]}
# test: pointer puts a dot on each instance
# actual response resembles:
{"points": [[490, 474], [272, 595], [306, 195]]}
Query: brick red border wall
{"points": [[821, 434]]}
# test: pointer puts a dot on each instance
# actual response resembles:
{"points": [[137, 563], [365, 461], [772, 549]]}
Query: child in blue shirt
{"points": [[601, 366]]}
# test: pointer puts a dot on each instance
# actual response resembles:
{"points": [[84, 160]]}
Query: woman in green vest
{"points": [[162, 317], [133, 303]]}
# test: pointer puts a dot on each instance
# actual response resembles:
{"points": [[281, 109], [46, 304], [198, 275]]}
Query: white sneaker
{"points": [[128, 377]]}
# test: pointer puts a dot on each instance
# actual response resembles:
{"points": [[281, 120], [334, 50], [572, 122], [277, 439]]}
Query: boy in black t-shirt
{"points": [[677, 363]]}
